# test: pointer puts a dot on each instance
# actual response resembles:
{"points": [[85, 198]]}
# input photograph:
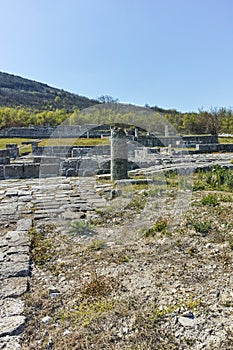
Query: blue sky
{"points": [[170, 53]]}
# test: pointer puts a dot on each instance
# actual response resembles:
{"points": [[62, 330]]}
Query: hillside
{"points": [[16, 91]]}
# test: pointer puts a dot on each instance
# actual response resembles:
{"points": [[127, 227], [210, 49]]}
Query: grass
{"points": [[97, 244], [219, 178], [23, 149], [17, 141], [87, 312], [225, 139], [74, 142], [188, 304], [42, 250]]}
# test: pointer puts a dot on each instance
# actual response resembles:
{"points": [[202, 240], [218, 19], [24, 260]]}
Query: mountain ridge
{"points": [[16, 91]]}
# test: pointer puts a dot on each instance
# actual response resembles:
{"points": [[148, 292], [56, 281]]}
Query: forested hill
{"points": [[16, 91]]}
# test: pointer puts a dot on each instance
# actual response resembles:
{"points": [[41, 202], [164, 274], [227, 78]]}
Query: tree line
{"points": [[22, 117], [215, 121]]}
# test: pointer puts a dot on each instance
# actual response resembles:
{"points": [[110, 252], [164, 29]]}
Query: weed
{"points": [[124, 259], [191, 250], [42, 250], [160, 226], [86, 312], [231, 243], [81, 228], [219, 178], [227, 303], [201, 226], [179, 244], [226, 198], [160, 312], [97, 287], [137, 203], [210, 200], [97, 244], [189, 304]]}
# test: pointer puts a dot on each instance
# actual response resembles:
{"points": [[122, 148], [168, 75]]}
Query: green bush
{"points": [[201, 226], [160, 226], [81, 228], [210, 200], [219, 178]]}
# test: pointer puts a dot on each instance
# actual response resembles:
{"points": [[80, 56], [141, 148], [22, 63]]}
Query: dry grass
{"points": [[128, 296]]}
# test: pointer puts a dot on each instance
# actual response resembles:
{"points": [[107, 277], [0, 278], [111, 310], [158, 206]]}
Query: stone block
{"points": [[4, 153], [31, 170], [4, 160], [49, 170], [14, 171], [24, 224], [46, 159], [2, 176], [13, 150]]}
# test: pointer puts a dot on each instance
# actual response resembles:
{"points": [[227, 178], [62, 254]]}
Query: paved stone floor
{"points": [[23, 204]]}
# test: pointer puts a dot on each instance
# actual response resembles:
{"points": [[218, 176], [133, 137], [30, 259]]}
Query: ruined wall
{"points": [[29, 170], [97, 131], [177, 141], [69, 151], [209, 148], [62, 131]]}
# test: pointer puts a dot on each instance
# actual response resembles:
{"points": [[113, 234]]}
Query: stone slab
{"points": [[10, 343], [24, 224], [11, 269], [11, 307], [13, 325], [13, 287]]}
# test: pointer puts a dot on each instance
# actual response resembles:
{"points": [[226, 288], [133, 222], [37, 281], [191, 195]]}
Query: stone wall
{"points": [[62, 131], [217, 147], [29, 170], [69, 151], [177, 141], [97, 131]]}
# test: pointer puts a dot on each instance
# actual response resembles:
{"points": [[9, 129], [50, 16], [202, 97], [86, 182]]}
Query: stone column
{"points": [[119, 155], [34, 147], [135, 134]]}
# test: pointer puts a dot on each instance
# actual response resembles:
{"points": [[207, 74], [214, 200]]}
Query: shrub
{"points": [[201, 226], [160, 226], [218, 178], [210, 200], [97, 244], [81, 228]]}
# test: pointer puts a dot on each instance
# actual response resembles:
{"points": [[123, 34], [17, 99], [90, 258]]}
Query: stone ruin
{"points": [[128, 151]]}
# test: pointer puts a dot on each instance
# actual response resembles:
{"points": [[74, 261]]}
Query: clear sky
{"points": [[170, 53]]}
